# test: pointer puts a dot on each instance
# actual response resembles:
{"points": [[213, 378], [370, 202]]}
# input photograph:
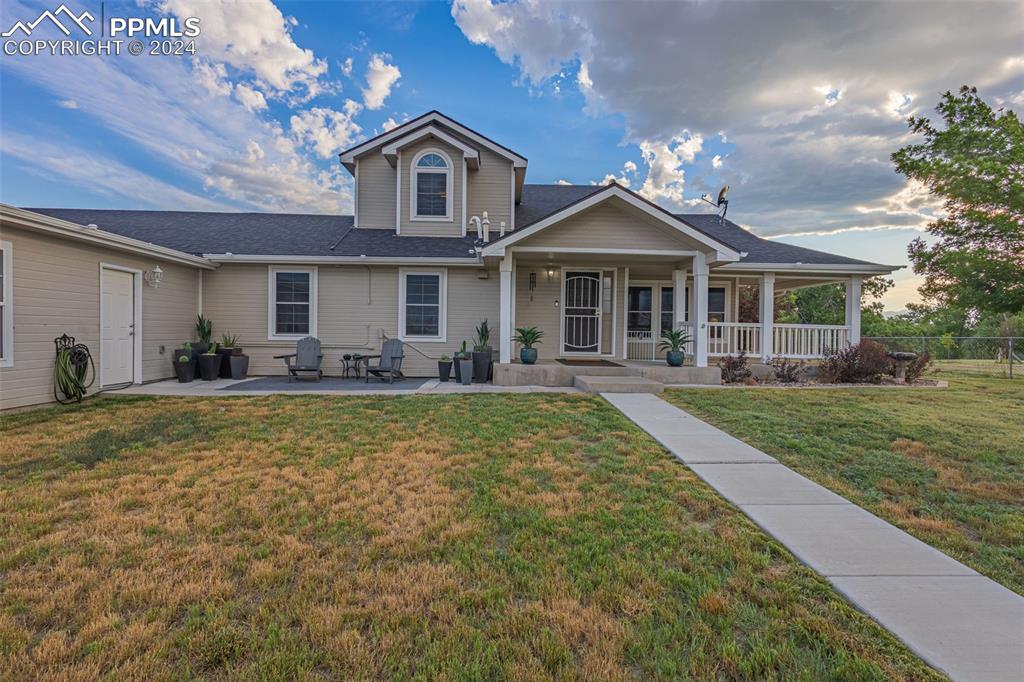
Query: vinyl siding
{"points": [[449, 228], [490, 189], [56, 290], [376, 192], [607, 226], [357, 307]]}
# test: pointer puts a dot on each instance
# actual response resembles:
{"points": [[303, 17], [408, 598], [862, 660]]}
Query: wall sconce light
{"points": [[551, 272], [154, 276]]}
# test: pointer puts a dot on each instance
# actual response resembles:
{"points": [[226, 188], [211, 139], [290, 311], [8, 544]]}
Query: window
{"points": [[292, 300], [422, 305], [638, 317], [6, 309], [667, 310], [431, 186], [716, 304]]}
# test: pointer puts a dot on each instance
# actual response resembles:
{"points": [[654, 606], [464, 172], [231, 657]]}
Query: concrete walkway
{"points": [[958, 621], [225, 388]]}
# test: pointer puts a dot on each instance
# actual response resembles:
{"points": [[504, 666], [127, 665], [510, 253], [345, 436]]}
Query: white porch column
{"points": [[505, 310], [767, 293], [700, 310], [679, 297], [853, 309]]}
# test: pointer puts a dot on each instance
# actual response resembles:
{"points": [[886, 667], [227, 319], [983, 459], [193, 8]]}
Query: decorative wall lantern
{"points": [[154, 276]]}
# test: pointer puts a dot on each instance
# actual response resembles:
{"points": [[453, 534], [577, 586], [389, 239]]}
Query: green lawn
{"points": [[944, 465], [464, 537]]}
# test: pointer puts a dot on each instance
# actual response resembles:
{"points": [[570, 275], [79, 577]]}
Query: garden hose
{"points": [[73, 371]]}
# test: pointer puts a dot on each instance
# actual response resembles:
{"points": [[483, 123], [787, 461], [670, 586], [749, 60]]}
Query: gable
{"points": [[609, 225]]}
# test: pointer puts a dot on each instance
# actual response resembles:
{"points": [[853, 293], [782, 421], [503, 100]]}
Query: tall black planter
{"points": [[184, 371], [444, 369], [464, 371], [225, 363], [482, 366], [209, 366]]}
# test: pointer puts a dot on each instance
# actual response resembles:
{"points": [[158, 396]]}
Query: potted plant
{"points": [[528, 337], [209, 363], [463, 366], [204, 333], [672, 341], [482, 353], [444, 368], [227, 348], [184, 368]]}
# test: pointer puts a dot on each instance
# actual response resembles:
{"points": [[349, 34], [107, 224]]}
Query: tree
{"points": [[825, 304], [976, 164]]}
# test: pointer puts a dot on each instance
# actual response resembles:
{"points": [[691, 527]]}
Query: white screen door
{"points": [[581, 312], [117, 344]]}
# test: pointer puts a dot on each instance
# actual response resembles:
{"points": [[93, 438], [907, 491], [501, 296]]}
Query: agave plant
{"points": [[528, 337], [483, 336], [204, 329], [674, 340]]}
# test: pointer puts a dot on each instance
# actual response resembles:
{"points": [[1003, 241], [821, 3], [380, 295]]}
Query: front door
{"points": [[581, 313], [117, 343]]}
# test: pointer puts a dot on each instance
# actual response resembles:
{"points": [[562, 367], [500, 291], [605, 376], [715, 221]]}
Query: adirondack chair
{"points": [[389, 362], [305, 360]]}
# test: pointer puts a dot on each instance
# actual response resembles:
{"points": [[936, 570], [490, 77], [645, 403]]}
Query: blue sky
{"points": [[796, 105]]}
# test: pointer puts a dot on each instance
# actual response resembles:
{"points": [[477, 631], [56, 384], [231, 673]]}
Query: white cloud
{"points": [[213, 77], [666, 177], [389, 124], [716, 161], [250, 98], [563, 182], [255, 38], [327, 131], [67, 104], [346, 67], [380, 77]]}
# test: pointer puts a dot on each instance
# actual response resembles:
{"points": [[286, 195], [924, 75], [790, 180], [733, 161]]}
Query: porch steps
{"points": [[617, 384]]}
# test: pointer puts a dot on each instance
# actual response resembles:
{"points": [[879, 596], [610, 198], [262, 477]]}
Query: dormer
{"points": [[431, 176]]}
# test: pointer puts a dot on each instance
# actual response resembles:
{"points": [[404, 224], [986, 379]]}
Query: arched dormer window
{"points": [[431, 186]]}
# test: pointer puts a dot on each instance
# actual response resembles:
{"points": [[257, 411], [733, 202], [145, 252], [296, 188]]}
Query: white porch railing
{"points": [[809, 340], [800, 341], [730, 338]]}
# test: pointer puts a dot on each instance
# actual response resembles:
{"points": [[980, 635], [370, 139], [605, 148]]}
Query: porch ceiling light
{"points": [[154, 276]]}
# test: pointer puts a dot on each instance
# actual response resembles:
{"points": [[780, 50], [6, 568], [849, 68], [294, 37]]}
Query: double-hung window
{"points": [[422, 305], [292, 298], [6, 308], [431, 186]]}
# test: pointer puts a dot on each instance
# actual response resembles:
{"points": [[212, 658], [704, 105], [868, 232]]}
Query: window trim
{"points": [[272, 271], [7, 319], [414, 172], [442, 326]]}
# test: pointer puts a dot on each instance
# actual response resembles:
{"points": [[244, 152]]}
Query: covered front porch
{"points": [[615, 307]]}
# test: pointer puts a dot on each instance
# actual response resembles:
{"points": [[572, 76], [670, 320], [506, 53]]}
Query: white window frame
{"points": [[442, 325], [414, 173], [272, 271], [7, 316]]}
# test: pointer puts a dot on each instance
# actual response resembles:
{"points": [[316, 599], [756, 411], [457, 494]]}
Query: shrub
{"points": [[787, 371], [864, 363], [917, 367], [734, 368]]}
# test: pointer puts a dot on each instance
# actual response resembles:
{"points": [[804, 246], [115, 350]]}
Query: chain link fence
{"points": [[1000, 356]]}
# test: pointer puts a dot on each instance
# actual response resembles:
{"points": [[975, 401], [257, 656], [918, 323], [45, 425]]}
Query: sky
{"points": [[796, 105]]}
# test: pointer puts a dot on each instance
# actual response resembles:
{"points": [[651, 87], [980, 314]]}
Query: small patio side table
{"points": [[350, 365]]}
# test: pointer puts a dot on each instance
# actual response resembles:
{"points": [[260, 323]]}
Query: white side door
{"points": [[117, 342]]}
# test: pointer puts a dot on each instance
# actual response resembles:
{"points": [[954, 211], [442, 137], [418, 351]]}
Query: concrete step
{"points": [[617, 384]]}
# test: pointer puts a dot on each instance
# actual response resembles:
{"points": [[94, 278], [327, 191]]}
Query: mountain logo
{"points": [[69, 16]]}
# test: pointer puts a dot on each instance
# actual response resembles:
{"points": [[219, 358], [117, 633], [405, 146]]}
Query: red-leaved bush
{"points": [[916, 367], [734, 368], [864, 363]]}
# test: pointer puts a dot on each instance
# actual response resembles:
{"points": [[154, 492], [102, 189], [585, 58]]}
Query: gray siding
{"points": [[357, 307], [608, 226], [56, 290], [376, 192], [490, 189]]}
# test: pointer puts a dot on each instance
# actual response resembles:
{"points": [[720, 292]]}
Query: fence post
{"points": [[1011, 357], [924, 345]]}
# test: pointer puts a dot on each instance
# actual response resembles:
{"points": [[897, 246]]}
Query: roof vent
{"points": [[92, 226]]}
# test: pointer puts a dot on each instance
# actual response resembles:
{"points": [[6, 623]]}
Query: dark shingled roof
{"points": [[291, 234]]}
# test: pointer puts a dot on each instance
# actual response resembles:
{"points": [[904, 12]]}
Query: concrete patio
{"points": [[959, 621], [329, 386]]}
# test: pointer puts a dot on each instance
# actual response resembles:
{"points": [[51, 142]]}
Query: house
{"points": [[446, 232]]}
